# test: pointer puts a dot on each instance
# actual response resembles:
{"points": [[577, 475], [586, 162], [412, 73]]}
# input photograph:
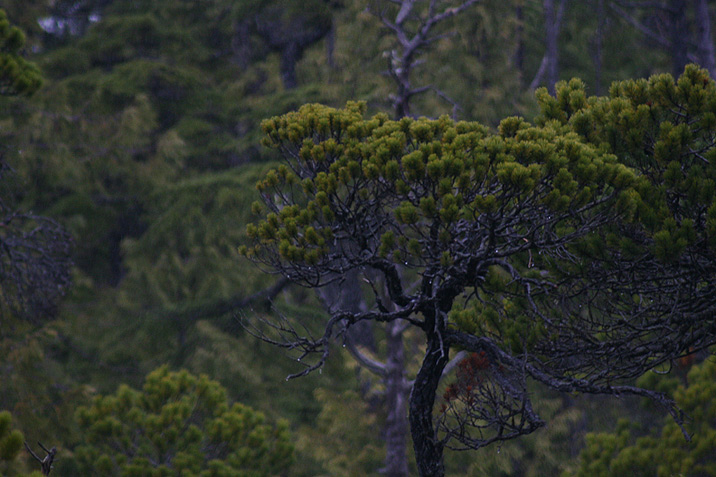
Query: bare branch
{"points": [[402, 62], [640, 26], [457, 359], [46, 462], [372, 365], [220, 307], [540, 72]]}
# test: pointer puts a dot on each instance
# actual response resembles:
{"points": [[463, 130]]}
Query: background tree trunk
{"points": [[551, 50], [679, 37], [707, 56], [597, 52], [396, 426], [519, 57], [549, 67]]}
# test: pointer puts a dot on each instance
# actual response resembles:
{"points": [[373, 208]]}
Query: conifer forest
{"points": [[357, 238]]}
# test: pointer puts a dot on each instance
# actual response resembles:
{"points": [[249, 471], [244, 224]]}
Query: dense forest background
{"points": [[143, 143]]}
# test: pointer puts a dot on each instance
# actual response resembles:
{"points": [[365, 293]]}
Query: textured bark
{"points": [[428, 449]]}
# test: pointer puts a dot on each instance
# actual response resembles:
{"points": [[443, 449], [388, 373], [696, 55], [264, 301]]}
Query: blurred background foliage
{"points": [[143, 142]]}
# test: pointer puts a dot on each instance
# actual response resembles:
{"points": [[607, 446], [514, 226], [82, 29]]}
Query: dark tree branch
{"points": [[215, 308], [46, 462], [411, 41]]}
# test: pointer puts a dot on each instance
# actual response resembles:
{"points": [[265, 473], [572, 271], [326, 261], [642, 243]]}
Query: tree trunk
{"points": [[598, 46], [396, 426], [707, 57], [679, 37], [346, 295], [428, 450], [552, 52], [550, 60], [402, 98], [241, 44], [289, 57], [519, 58], [331, 46]]}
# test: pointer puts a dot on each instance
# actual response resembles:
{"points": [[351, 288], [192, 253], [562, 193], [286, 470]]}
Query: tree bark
{"points": [[402, 60], [679, 36], [706, 44], [396, 426], [552, 52], [550, 60], [289, 57], [428, 449]]}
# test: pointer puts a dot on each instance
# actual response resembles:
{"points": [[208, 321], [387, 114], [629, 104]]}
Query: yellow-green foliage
{"points": [[10, 448], [425, 175], [179, 424], [10, 439], [663, 129], [17, 75], [665, 452]]}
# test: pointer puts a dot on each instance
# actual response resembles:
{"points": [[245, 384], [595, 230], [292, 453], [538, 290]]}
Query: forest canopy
{"points": [[131, 141]]}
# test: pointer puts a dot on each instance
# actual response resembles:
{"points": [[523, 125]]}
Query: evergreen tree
{"points": [[17, 75], [34, 261], [662, 451], [10, 444], [548, 237], [11, 441], [178, 424]]}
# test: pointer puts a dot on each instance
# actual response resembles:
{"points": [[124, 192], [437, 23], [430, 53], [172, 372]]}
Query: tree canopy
{"points": [[179, 423], [662, 451], [535, 248], [17, 75]]}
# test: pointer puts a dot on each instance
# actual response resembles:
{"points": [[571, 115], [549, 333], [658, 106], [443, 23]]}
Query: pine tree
{"points": [[17, 75], [178, 424], [662, 451], [540, 249]]}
